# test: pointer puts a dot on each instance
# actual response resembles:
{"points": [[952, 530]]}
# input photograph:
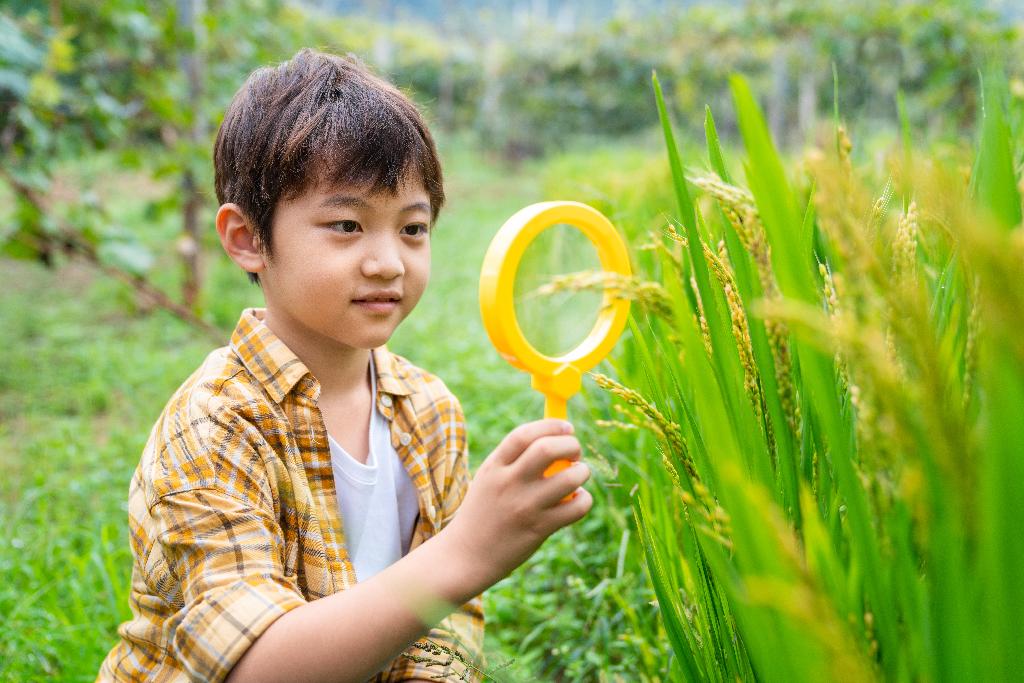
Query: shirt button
{"points": [[405, 438], [386, 400]]}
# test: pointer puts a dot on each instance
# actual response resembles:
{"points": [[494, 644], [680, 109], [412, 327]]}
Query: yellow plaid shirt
{"points": [[233, 518]]}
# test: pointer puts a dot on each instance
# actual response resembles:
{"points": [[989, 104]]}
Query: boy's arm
{"points": [[508, 512], [461, 632], [432, 655], [378, 619], [383, 615], [222, 559], [224, 555]]}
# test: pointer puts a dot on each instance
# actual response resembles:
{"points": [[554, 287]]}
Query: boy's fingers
{"points": [[552, 490], [544, 451], [523, 436], [571, 511]]}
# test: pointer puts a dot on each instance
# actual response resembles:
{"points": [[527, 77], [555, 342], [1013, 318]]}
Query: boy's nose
{"points": [[383, 263]]}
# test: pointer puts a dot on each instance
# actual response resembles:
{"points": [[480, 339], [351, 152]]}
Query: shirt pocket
{"points": [[291, 557], [160, 582]]}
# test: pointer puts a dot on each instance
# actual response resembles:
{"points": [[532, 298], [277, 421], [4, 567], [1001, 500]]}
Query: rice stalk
{"points": [[667, 429], [648, 295]]}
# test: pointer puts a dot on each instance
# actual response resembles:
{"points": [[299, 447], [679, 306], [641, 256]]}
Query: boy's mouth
{"points": [[380, 302], [380, 297]]}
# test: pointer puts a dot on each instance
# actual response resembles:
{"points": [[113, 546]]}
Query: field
{"points": [[806, 446]]}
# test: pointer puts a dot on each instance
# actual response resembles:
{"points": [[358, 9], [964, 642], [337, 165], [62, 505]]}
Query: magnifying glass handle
{"points": [[556, 407]]}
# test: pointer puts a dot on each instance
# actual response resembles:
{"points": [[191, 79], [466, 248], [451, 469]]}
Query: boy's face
{"points": [[335, 246]]}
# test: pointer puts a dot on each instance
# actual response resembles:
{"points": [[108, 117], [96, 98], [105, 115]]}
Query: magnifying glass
{"points": [[559, 377]]}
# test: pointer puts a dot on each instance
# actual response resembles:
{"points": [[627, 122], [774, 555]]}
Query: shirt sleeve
{"points": [[457, 641], [218, 550], [224, 564]]}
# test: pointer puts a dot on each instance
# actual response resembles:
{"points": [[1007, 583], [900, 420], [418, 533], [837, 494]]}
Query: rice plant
{"points": [[833, 372]]}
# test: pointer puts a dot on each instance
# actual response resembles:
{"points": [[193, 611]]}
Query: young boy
{"points": [[302, 510]]}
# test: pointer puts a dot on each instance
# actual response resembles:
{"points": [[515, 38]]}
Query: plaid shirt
{"points": [[233, 518]]}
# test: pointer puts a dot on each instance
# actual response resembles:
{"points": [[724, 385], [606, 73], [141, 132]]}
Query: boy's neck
{"points": [[339, 369]]}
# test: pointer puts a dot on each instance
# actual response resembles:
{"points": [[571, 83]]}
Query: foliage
{"points": [[83, 77], [556, 85], [836, 472], [821, 465]]}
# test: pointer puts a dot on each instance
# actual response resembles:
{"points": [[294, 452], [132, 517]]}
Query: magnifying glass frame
{"points": [[558, 377]]}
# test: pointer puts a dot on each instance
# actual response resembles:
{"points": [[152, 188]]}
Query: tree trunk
{"points": [[807, 92], [446, 76], [190, 22], [777, 102]]}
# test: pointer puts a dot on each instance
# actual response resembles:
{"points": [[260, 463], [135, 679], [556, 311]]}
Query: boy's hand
{"points": [[511, 507]]}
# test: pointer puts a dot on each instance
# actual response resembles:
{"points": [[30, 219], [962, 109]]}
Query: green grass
{"points": [[836, 395]]}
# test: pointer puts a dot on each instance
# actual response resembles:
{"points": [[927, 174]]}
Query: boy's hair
{"points": [[319, 118]]}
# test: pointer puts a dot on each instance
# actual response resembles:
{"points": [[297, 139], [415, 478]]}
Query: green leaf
{"points": [[686, 210], [14, 82], [993, 182], [132, 257], [19, 246], [715, 147], [775, 199], [16, 49], [679, 632]]}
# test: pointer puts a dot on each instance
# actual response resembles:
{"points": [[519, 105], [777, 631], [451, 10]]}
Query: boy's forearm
{"points": [[351, 635]]}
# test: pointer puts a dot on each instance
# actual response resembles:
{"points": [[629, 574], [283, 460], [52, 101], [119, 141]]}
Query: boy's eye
{"points": [[420, 227], [345, 226]]}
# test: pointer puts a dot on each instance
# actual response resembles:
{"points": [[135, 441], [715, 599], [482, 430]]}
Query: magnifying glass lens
{"points": [[554, 305]]}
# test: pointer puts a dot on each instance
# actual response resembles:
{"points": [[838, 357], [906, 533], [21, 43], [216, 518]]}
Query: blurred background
{"points": [[115, 288], [140, 86]]}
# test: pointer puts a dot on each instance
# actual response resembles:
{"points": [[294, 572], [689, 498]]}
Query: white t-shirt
{"points": [[377, 500]]}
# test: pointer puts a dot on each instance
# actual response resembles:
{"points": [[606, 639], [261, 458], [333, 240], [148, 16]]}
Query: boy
{"points": [[302, 509]]}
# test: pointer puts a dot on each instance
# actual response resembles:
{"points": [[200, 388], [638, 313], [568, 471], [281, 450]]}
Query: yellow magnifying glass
{"points": [[558, 378]]}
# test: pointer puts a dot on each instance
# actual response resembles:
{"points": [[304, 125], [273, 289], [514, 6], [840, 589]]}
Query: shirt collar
{"points": [[278, 369], [392, 377]]}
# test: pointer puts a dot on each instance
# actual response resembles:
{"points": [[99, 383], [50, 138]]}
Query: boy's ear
{"points": [[238, 239]]}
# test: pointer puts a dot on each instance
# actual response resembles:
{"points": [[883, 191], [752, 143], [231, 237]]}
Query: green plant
{"points": [[835, 396]]}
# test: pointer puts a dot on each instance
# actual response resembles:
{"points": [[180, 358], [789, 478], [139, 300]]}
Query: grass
{"points": [[834, 394]]}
